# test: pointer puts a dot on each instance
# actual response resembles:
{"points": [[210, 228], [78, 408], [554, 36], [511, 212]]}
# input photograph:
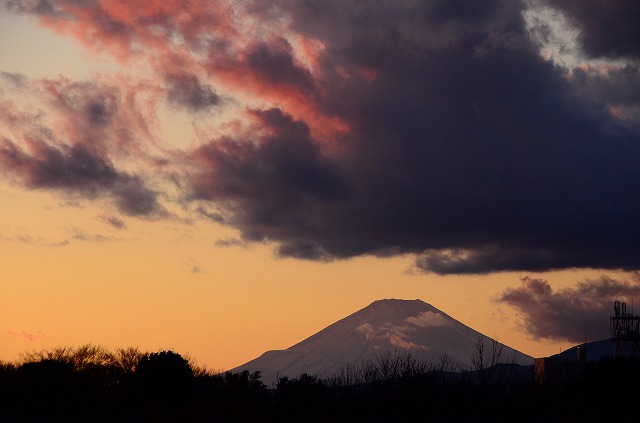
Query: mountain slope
{"points": [[389, 325], [594, 351]]}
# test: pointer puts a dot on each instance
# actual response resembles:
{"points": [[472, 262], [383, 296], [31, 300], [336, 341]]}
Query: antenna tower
{"points": [[625, 330]]}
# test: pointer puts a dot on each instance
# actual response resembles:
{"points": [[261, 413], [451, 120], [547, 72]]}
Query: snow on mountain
{"points": [[385, 326]]}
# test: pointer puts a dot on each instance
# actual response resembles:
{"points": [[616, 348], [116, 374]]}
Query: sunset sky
{"points": [[222, 178]]}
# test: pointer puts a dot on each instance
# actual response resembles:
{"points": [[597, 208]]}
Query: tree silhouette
{"points": [[91, 384], [164, 368], [163, 383], [485, 361]]}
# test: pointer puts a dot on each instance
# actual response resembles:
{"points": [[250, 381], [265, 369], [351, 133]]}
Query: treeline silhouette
{"points": [[92, 384]]}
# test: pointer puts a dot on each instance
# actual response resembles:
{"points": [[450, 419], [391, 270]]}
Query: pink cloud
{"points": [[26, 335], [244, 50]]}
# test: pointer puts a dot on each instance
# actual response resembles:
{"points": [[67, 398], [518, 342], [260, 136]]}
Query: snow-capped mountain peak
{"points": [[389, 325]]}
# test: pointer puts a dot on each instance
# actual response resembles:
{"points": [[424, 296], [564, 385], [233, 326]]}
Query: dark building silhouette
{"points": [[560, 366]]}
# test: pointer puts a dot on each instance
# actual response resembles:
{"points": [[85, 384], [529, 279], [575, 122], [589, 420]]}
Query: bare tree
{"points": [[485, 359], [128, 358]]}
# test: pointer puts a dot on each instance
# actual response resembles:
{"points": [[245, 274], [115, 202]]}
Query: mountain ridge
{"points": [[384, 326]]}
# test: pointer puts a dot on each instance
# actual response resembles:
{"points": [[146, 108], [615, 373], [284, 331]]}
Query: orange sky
{"points": [[165, 285], [75, 268]]}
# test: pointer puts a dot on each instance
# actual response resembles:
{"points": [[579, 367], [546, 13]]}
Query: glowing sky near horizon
{"points": [[223, 178]]}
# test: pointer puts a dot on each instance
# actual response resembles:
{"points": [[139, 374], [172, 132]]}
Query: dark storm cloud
{"points": [[280, 153], [434, 128], [566, 314], [133, 197], [271, 177], [617, 86], [617, 90], [45, 166], [608, 28], [77, 170], [275, 64], [466, 146], [435, 23], [186, 90]]}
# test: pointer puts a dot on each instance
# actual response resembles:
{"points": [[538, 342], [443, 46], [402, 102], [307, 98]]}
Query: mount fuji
{"points": [[384, 326]]}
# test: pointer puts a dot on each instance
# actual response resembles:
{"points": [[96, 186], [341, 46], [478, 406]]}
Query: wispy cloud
{"points": [[71, 147], [31, 337], [230, 242], [113, 221]]}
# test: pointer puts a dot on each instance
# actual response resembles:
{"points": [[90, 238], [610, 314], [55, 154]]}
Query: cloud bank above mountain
{"points": [[437, 128]]}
